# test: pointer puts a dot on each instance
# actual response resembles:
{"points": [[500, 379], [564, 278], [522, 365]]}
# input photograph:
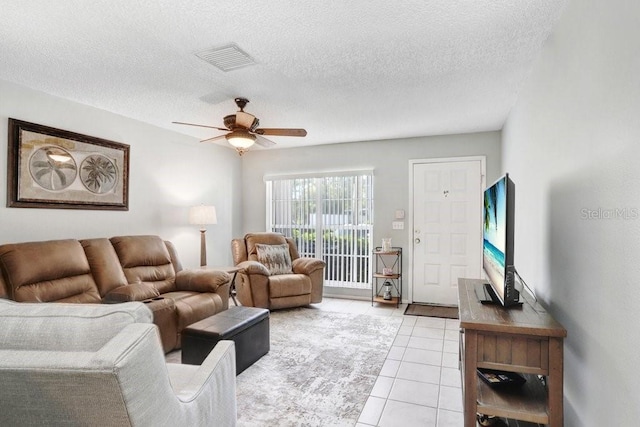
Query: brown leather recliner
{"points": [[268, 284]]}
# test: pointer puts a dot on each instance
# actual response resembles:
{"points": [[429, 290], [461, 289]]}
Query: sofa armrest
{"points": [[212, 381], [132, 292], [253, 267], [201, 280], [307, 265], [219, 366]]}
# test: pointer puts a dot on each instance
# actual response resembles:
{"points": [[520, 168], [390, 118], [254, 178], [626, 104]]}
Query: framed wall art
{"points": [[54, 168]]}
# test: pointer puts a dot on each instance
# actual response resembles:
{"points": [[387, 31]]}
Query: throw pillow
{"points": [[275, 257]]}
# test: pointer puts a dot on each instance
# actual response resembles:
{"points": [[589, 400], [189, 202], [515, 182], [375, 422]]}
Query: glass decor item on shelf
{"points": [[387, 271], [387, 291], [386, 244]]}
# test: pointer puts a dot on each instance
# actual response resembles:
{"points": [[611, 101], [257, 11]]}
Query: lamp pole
{"points": [[203, 247], [203, 215]]}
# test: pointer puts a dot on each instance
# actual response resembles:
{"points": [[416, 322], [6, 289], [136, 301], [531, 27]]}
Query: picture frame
{"points": [[58, 169]]}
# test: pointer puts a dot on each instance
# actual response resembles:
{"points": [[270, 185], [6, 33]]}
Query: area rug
{"points": [[432, 311], [320, 370]]}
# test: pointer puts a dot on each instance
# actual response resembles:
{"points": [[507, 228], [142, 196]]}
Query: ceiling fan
{"points": [[243, 130]]}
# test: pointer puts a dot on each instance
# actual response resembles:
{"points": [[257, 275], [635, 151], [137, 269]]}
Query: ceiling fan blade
{"points": [[264, 142], [215, 138], [202, 126], [245, 120], [281, 132]]}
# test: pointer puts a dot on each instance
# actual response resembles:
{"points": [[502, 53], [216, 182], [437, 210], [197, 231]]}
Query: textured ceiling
{"points": [[344, 70]]}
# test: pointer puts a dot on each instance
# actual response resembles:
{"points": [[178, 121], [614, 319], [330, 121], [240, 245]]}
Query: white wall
{"points": [[571, 145], [390, 161], [168, 173]]}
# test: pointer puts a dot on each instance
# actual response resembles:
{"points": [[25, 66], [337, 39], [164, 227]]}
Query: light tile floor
{"points": [[419, 383]]}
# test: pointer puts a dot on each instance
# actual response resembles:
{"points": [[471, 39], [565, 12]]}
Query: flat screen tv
{"points": [[497, 246]]}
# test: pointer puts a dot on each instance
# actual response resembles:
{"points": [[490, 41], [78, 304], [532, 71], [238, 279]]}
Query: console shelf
{"points": [[393, 300], [522, 339], [527, 403], [392, 262]]}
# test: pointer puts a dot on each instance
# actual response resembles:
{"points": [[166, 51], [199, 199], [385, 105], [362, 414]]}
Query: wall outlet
{"points": [[397, 225]]}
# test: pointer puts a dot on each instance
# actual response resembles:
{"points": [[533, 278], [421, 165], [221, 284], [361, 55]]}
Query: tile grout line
{"points": [[441, 352]]}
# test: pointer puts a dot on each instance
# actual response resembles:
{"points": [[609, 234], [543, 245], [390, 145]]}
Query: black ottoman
{"points": [[248, 327]]}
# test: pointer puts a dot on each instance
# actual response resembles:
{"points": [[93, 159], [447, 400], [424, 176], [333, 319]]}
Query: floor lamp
{"points": [[203, 215]]}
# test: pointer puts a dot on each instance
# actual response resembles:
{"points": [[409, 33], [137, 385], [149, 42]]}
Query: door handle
{"points": [[417, 240]]}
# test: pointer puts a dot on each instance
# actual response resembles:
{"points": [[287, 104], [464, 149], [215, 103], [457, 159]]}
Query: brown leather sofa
{"points": [[257, 286], [119, 269]]}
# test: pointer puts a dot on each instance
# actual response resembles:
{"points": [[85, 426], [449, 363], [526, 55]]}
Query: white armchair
{"points": [[103, 365]]}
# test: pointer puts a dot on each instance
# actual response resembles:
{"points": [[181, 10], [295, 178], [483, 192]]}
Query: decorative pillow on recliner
{"points": [[275, 257]]}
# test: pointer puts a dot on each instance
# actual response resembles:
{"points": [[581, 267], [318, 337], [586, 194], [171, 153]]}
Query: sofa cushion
{"points": [[194, 306], [289, 285], [146, 259], [275, 257], [55, 270], [104, 264], [132, 292], [134, 251]]}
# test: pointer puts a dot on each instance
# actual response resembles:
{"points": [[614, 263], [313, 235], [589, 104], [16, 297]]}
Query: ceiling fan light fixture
{"points": [[241, 140]]}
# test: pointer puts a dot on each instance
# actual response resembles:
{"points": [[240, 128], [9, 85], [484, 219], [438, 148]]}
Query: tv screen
{"points": [[497, 247]]}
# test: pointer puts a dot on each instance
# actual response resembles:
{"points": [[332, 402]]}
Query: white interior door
{"points": [[447, 228]]}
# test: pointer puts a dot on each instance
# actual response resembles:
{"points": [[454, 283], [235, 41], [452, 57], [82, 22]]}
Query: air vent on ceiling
{"points": [[226, 58]]}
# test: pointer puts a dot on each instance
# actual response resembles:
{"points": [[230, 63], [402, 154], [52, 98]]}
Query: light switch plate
{"points": [[398, 225], [399, 214]]}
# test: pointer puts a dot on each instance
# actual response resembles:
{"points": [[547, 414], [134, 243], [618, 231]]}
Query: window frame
{"points": [[346, 247]]}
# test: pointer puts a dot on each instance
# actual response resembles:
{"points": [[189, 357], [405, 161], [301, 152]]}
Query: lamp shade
{"points": [[203, 215], [240, 139]]}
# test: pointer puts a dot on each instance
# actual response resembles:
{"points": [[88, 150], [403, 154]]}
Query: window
{"points": [[330, 217]]}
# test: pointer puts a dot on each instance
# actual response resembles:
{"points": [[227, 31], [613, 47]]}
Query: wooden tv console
{"points": [[522, 339]]}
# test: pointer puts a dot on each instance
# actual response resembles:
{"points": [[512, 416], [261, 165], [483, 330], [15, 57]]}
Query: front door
{"points": [[447, 227]]}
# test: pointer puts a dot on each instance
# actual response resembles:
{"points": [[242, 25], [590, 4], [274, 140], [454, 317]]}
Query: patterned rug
{"points": [[320, 369]]}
